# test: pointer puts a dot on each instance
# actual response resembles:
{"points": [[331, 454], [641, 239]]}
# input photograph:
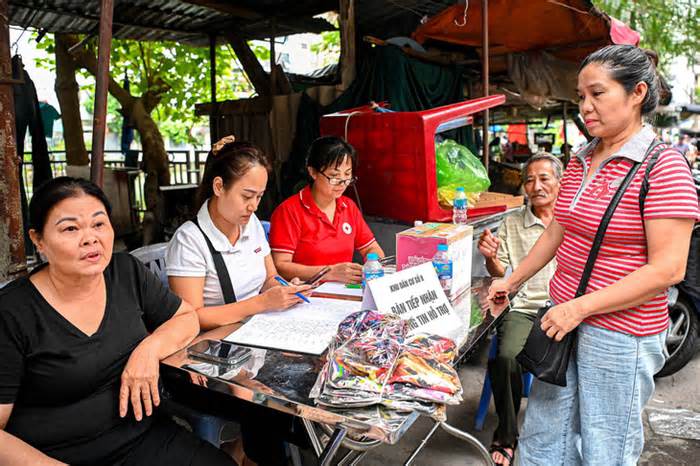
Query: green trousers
{"points": [[507, 376]]}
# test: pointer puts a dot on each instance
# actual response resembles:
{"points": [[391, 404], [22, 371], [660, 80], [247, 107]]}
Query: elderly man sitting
{"points": [[518, 233]]}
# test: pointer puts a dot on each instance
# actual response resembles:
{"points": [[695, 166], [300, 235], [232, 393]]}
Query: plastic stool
{"points": [[204, 426], [266, 226], [486, 392], [208, 428]]}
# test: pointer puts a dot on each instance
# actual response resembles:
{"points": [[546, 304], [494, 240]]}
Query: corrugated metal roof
{"points": [[175, 20], [189, 22]]}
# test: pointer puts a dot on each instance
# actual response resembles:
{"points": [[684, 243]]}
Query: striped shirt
{"points": [[580, 208]]}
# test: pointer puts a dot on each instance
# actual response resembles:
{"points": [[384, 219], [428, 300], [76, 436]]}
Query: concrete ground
{"points": [[678, 391]]}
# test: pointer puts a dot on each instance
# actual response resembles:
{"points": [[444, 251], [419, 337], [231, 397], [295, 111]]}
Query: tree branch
{"points": [[87, 60], [146, 68]]}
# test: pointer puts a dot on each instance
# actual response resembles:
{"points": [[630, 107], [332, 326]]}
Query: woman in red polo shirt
{"points": [[319, 226], [622, 319]]}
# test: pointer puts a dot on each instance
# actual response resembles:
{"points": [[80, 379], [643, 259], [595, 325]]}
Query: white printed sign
{"points": [[415, 295]]}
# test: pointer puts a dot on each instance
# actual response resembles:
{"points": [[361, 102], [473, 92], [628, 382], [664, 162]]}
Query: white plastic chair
{"points": [[153, 257], [207, 427]]}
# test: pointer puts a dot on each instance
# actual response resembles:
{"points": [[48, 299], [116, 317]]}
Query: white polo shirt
{"points": [[188, 256]]}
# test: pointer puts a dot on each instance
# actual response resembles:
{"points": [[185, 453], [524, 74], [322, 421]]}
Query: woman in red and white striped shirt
{"points": [[623, 316]]}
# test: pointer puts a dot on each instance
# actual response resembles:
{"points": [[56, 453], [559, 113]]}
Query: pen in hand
{"points": [[283, 282]]}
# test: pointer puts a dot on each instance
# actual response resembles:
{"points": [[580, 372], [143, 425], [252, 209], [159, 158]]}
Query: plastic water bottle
{"points": [[372, 269], [443, 267], [459, 207]]}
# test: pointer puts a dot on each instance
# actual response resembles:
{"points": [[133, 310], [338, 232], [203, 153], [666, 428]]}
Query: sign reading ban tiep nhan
{"points": [[415, 295]]}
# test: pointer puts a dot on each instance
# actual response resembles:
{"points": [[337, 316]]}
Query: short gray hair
{"points": [[557, 166]]}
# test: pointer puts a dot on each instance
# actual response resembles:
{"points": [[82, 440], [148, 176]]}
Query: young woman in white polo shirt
{"points": [[227, 237], [234, 181]]}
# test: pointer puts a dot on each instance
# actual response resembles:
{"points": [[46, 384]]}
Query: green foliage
{"points": [[184, 70], [260, 51], [329, 46], [669, 27]]}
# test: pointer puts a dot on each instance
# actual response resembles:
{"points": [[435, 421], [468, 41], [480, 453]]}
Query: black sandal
{"points": [[502, 450]]}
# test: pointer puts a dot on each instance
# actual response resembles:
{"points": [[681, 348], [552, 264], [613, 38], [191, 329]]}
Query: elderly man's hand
{"points": [[561, 319], [489, 244]]}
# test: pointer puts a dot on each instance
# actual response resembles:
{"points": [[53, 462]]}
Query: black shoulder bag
{"points": [[546, 358], [221, 270], [691, 281]]}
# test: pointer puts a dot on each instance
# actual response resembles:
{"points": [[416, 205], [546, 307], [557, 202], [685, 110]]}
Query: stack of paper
{"points": [[305, 328], [339, 289]]}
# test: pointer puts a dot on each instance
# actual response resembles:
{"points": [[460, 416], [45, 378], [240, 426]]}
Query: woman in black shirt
{"points": [[81, 339]]}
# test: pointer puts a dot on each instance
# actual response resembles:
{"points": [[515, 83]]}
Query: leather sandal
{"points": [[495, 448]]}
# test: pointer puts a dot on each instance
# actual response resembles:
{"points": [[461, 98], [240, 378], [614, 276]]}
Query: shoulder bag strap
{"points": [[221, 270], [644, 189], [597, 241]]}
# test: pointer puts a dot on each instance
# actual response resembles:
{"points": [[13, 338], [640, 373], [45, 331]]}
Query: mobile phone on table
{"points": [[313, 280], [388, 260], [220, 352]]}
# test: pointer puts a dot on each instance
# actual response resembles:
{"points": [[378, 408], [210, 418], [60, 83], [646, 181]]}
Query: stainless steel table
{"points": [[282, 381]]}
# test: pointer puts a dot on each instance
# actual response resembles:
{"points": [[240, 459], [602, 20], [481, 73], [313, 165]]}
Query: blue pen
{"points": [[284, 283]]}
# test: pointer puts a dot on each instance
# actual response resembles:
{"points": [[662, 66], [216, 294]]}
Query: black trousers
{"points": [[263, 430], [168, 444], [507, 375]]}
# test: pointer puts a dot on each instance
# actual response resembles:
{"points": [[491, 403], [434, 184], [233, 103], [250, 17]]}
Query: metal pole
{"points": [[99, 121], [273, 60], [348, 42], [485, 73], [12, 259], [212, 66], [214, 117]]}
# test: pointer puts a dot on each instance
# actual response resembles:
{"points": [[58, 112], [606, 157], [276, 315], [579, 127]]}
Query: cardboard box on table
{"points": [[419, 244]]}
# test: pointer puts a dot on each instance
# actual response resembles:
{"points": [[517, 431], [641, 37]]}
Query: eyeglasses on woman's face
{"points": [[339, 181]]}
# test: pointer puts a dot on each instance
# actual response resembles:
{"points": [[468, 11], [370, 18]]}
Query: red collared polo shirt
{"points": [[298, 227], [580, 208]]}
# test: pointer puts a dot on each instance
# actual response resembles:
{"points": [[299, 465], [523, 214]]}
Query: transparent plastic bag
{"points": [[457, 166], [371, 362], [446, 197]]}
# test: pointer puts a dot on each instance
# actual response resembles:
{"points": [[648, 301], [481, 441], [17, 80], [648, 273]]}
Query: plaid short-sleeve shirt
{"points": [[518, 234]]}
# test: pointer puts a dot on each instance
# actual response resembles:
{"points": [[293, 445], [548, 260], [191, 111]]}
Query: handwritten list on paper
{"points": [[305, 328]]}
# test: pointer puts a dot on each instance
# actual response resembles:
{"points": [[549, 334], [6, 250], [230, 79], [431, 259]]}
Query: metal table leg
{"points": [[356, 461], [352, 458], [422, 444], [470, 439], [332, 446], [313, 436]]}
